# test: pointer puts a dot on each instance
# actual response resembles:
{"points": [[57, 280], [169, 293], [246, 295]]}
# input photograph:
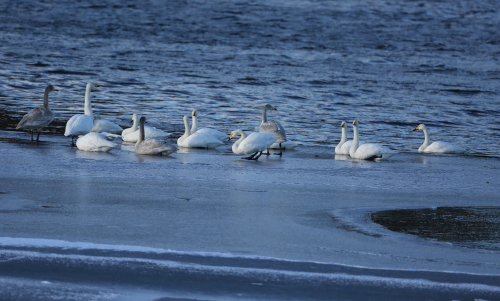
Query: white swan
{"points": [[81, 124], [95, 142], [38, 118], [212, 132], [104, 125], [132, 134], [151, 146], [272, 126], [368, 151], [437, 147], [344, 146], [254, 144], [196, 140]]}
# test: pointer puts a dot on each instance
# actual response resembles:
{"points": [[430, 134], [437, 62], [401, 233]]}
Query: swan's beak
{"points": [[230, 137], [194, 113], [416, 129]]}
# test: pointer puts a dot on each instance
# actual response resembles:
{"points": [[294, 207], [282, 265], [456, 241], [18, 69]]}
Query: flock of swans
{"points": [[96, 134]]}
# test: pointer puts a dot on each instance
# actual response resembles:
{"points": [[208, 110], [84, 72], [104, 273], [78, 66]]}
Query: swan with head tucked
{"points": [[95, 142], [254, 144], [437, 147], [38, 118], [272, 126], [196, 140], [212, 132], [132, 134], [344, 146], [151, 146], [103, 125], [368, 151], [81, 124]]}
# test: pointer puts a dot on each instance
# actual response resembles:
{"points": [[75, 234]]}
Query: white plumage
{"points": [[368, 151], [95, 142], [437, 147], [254, 144], [196, 140]]}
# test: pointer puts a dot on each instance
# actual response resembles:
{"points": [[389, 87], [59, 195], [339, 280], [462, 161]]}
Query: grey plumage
{"points": [[152, 146], [38, 118], [272, 126]]}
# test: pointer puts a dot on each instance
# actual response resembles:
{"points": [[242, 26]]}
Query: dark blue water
{"points": [[389, 64]]}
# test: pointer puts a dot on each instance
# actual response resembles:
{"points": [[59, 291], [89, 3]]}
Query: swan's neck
{"points": [[46, 99], [426, 141], [238, 142], [355, 142], [344, 136], [141, 133], [264, 115], [187, 132], [194, 126], [135, 125], [88, 107]]}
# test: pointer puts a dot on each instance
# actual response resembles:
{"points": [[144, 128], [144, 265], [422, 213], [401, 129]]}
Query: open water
{"points": [[389, 64]]}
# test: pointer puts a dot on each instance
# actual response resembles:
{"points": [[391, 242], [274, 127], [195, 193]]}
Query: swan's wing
{"points": [[258, 141], [36, 118], [214, 133], [200, 140], [152, 132], [444, 148], [94, 142], [153, 146], [104, 125], [79, 125], [371, 151], [272, 126]]}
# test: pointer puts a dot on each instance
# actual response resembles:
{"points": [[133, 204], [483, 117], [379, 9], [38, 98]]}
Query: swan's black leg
{"points": [[257, 158], [73, 141], [268, 153], [38, 137], [250, 157], [281, 151]]}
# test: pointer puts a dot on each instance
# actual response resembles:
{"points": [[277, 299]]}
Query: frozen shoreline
{"points": [[305, 207]]}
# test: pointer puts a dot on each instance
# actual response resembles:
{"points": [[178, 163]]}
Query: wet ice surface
{"points": [[206, 225]]}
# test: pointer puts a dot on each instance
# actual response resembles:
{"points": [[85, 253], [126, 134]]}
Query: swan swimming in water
{"points": [[151, 146], [368, 151], [254, 144], [437, 147], [81, 124], [104, 125], [272, 126], [196, 140], [212, 132], [38, 118], [344, 146], [132, 134], [95, 142]]}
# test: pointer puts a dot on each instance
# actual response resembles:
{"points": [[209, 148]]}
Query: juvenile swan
{"points": [[254, 144], [437, 147], [39, 117], [151, 146], [81, 124], [272, 126], [94, 142], [212, 132], [196, 140], [368, 151]]}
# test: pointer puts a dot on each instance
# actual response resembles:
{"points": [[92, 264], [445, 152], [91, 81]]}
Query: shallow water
{"points": [[389, 64]]}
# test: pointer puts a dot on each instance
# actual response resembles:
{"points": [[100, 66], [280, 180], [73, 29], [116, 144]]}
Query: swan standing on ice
{"points": [[38, 118], [212, 132], [272, 126], [368, 151], [132, 134], [81, 124], [104, 125], [196, 140], [254, 144], [437, 147], [94, 142], [344, 146], [151, 146]]}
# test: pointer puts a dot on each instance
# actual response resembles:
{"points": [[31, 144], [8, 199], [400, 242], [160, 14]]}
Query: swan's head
{"points": [[420, 127], [355, 123], [235, 133], [96, 116], [134, 117], [91, 86], [269, 107], [50, 88], [193, 113], [342, 124], [142, 120]]}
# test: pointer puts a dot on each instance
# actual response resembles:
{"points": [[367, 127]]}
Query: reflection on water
{"points": [[471, 227]]}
